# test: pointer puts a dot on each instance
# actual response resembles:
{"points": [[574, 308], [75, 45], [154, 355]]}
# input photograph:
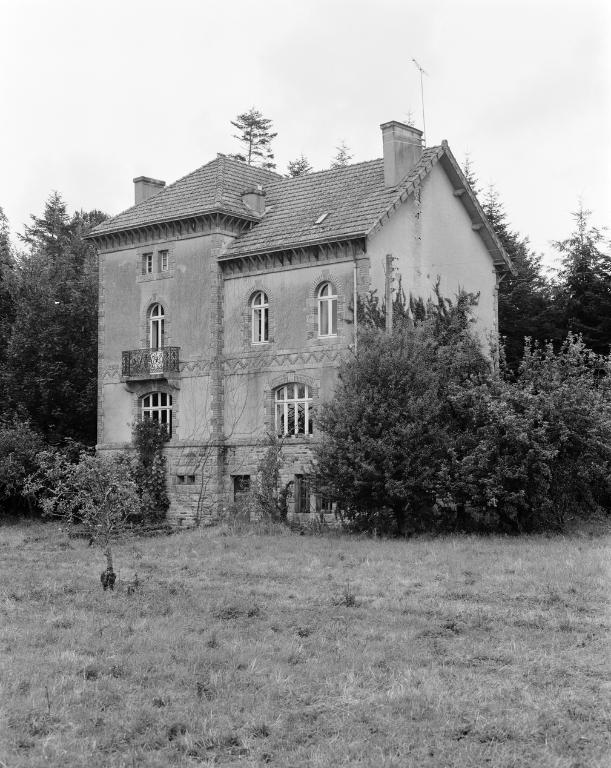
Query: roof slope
{"points": [[216, 186], [354, 197]]}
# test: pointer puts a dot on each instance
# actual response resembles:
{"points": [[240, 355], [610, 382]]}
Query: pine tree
{"points": [[299, 167], [7, 304], [527, 306], [585, 279], [256, 137], [343, 156], [470, 175]]}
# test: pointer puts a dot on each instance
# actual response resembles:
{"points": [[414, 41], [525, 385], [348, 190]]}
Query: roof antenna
{"points": [[422, 72]]}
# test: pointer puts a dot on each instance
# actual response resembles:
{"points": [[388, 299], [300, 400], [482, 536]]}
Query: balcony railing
{"points": [[149, 362]]}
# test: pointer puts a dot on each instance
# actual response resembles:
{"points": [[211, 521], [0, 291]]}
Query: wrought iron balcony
{"points": [[154, 363]]}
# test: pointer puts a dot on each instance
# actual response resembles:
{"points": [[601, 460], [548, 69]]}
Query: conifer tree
{"points": [[51, 355], [527, 305], [299, 167], [7, 305], [255, 136], [586, 283], [343, 156]]}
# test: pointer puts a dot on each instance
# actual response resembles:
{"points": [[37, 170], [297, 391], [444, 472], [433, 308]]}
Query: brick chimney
{"points": [[145, 188], [254, 198], [402, 150]]}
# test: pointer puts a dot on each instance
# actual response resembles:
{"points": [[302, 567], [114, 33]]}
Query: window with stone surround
{"points": [[327, 310], [293, 410], [259, 318], [164, 261], [156, 326], [157, 406], [147, 263]]}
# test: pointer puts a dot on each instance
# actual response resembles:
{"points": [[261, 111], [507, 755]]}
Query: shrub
{"points": [[97, 492], [19, 446], [423, 434]]}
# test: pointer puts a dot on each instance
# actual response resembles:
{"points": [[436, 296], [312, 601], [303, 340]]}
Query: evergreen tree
{"points": [[51, 356], [343, 156], [470, 175], [527, 305], [586, 283], [7, 305], [299, 167], [256, 137]]}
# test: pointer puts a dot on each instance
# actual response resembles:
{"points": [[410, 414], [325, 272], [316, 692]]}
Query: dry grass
{"points": [[303, 651]]}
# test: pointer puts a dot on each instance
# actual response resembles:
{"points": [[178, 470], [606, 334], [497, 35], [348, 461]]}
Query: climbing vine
{"points": [[150, 468]]}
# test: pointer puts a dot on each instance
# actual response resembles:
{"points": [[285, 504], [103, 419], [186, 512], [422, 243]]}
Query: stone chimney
{"points": [[145, 188], [402, 150], [254, 198]]}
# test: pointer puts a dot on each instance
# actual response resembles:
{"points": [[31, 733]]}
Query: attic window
{"points": [[321, 218]]}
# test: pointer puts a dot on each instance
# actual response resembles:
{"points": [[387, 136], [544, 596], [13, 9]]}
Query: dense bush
{"points": [[424, 433], [19, 446]]}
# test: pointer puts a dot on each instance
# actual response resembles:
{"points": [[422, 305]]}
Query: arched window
{"points": [[327, 310], [158, 407], [260, 318], [294, 410], [156, 327]]}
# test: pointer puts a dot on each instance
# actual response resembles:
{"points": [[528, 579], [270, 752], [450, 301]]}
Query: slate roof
{"points": [[216, 186]]}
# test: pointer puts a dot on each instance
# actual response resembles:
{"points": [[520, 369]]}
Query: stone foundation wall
{"points": [[201, 477]]}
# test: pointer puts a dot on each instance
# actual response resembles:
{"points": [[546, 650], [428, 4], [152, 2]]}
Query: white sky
{"points": [[95, 93]]}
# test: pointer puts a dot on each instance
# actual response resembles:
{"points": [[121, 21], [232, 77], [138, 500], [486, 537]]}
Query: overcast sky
{"points": [[95, 93]]}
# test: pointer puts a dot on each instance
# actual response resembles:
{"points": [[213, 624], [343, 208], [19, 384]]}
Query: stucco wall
{"points": [[187, 292], [431, 236], [294, 351]]}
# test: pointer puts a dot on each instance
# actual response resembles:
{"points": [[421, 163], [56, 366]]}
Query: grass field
{"points": [[286, 650]]}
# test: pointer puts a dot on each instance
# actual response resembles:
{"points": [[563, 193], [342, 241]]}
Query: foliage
{"points": [[50, 366], [19, 446], [270, 499], [96, 491], [256, 137], [531, 453], [528, 303], [586, 281], [387, 429], [149, 470], [7, 303], [299, 167], [342, 157], [423, 434]]}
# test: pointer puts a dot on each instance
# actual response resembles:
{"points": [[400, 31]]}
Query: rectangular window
{"points": [[302, 494], [241, 486], [147, 263], [163, 261]]}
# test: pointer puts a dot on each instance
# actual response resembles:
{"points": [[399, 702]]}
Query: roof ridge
{"points": [[242, 164], [330, 170]]}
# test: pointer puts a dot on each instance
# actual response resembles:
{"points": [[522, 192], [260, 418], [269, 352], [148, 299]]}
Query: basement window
{"points": [[321, 218]]}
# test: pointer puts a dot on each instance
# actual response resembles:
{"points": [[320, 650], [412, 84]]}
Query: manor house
{"points": [[227, 302]]}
